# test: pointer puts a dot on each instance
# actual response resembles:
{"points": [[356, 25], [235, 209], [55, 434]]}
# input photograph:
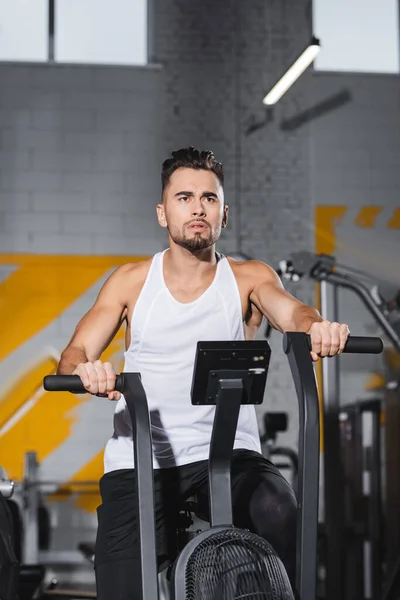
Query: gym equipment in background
{"points": [[228, 389], [332, 276], [17, 580], [6, 485], [31, 529], [360, 441], [9, 565], [274, 423], [324, 269], [33, 490]]}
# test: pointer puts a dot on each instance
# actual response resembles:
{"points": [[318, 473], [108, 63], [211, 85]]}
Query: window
{"points": [[85, 31], [357, 35], [24, 30], [101, 31]]}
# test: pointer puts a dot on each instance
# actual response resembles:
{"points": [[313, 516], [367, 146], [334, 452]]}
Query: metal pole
{"points": [[333, 472], [30, 515], [372, 490]]}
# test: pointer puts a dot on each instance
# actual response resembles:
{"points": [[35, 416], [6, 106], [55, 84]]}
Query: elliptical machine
{"points": [[229, 374]]}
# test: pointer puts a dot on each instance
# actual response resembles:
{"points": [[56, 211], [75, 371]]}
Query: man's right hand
{"points": [[98, 378]]}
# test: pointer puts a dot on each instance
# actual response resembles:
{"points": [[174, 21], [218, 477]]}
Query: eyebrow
{"points": [[213, 194]]}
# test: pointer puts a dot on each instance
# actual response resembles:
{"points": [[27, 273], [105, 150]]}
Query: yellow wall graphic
{"points": [[328, 217], [36, 293]]}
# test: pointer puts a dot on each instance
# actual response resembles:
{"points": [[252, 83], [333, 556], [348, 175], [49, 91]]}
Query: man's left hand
{"points": [[327, 339]]}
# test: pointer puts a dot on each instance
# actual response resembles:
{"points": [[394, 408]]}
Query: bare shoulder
{"points": [[254, 271], [127, 278], [133, 272]]}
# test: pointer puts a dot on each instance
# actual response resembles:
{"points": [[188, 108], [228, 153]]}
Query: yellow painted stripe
{"points": [[40, 290], [326, 219], [48, 422], [375, 381], [392, 359], [23, 390], [394, 222], [367, 216], [37, 294]]}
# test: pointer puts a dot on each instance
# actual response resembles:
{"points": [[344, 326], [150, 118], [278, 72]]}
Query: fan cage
{"points": [[236, 564]]}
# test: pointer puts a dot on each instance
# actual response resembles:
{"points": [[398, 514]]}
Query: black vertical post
{"points": [[222, 440], [333, 469], [51, 29], [136, 402], [351, 457], [295, 345]]}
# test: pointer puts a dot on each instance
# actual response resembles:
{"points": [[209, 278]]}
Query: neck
{"points": [[182, 262]]}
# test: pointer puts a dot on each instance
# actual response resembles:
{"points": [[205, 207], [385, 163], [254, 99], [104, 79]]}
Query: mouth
{"points": [[199, 226]]}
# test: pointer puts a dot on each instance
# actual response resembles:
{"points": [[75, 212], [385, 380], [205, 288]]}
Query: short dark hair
{"points": [[191, 158]]}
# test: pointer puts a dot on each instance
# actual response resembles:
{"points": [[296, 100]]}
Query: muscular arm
{"points": [[283, 311], [97, 328]]}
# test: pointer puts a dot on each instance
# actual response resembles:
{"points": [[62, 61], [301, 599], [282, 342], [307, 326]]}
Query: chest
{"points": [[186, 293], [172, 329]]}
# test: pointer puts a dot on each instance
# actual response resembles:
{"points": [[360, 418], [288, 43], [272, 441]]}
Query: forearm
{"points": [[303, 317], [70, 359]]}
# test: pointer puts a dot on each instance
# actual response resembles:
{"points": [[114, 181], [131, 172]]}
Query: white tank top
{"points": [[164, 335]]}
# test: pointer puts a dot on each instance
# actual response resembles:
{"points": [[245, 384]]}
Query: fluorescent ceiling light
{"points": [[288, 79]]}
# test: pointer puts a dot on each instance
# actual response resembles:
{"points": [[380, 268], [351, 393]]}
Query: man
{"points": [[182, 295]]}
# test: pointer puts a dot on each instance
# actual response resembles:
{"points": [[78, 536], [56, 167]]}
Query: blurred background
{"points": [[94, 95]]}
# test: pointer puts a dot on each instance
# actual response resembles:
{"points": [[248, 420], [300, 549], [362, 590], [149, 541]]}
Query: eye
{"points": [[211, 198], [183, 198]]}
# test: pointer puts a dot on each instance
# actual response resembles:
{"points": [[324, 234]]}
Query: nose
{"points": [[198, 209]]}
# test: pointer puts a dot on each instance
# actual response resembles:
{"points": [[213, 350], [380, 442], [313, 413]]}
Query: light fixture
{"points": [[292, 74]]}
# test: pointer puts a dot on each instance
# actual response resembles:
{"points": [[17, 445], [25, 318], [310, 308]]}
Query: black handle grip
{"points": [[360, 345], [73, 383]]}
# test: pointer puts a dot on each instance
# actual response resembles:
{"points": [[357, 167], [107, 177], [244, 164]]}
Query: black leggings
{"points": [[263, 502]]}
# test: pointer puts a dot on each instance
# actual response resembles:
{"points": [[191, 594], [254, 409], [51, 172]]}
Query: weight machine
{"points": [[340, 578]]}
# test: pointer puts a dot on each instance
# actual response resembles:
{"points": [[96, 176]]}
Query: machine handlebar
{"points": [[360, 345], [73, 383]]}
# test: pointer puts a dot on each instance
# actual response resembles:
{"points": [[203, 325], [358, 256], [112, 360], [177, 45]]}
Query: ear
{"points": [[225, 217], [161, 215]]}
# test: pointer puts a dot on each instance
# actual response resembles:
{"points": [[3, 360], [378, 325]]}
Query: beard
{"points": [[197, 240]]}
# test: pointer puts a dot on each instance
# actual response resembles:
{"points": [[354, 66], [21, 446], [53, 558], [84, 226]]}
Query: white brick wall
{"points": [[80, 148]]}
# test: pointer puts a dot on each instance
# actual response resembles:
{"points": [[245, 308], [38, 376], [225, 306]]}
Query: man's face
{"points": [[193, 209]]}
